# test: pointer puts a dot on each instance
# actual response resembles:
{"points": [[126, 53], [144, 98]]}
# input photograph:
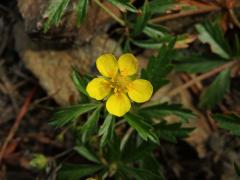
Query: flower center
{"points": [[119, 83]]}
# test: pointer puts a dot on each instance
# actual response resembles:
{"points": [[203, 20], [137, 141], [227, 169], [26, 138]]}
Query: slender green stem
{"points": [[119, 20]]}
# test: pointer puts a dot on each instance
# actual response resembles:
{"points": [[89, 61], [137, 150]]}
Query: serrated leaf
{"points": [[213, 35], [106, 130], [67, 115], [171, 132], [141, 126], [86, 153], [75, 172], [158, 67], [81, 10], [216, 91], [90, 126], [123, 5], [165, 109], [229, 122], [55, 12]]}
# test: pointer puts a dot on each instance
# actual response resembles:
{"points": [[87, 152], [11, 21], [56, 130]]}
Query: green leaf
{"points": [[151, 164], [155, 31], [216, 91], [75, 172], [113, 153], [159, 67], [148, 44], [54, 12], [141, 126], [165, 109], [142, 19], [197, 63], [171, 132], [82, 6], [137, 173], [161, 6], [67, 115], [90, 126], [213, 35], [123, 5], [80, 82], [106, 130], [229, 122], [130, 153], [86, 153]]}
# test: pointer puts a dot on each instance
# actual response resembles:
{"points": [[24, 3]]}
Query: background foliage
{"points": [[125, 148]]}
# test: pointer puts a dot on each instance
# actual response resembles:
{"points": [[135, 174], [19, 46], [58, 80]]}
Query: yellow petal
{"points": [[118, 104], [140, 90], [128, 64], [107, 65], [98, 88]]}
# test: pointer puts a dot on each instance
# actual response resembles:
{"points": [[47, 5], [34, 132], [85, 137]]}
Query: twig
{"points": [[8, 87], [234, 17], [185, 13], [119, 20], [16, 124], [200, 78]]}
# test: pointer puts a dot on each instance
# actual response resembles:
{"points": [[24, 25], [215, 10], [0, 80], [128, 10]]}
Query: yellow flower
{"points": [[117, 84]]}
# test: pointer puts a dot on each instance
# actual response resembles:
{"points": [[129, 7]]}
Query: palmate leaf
{"points": [[67, 115], [213, 35], [171, 132], [123, 5], [165, 109], [159, 67], [141, 126], [54, 12], [216, 91], [77, 171], [229, 122], [81, 9]]}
